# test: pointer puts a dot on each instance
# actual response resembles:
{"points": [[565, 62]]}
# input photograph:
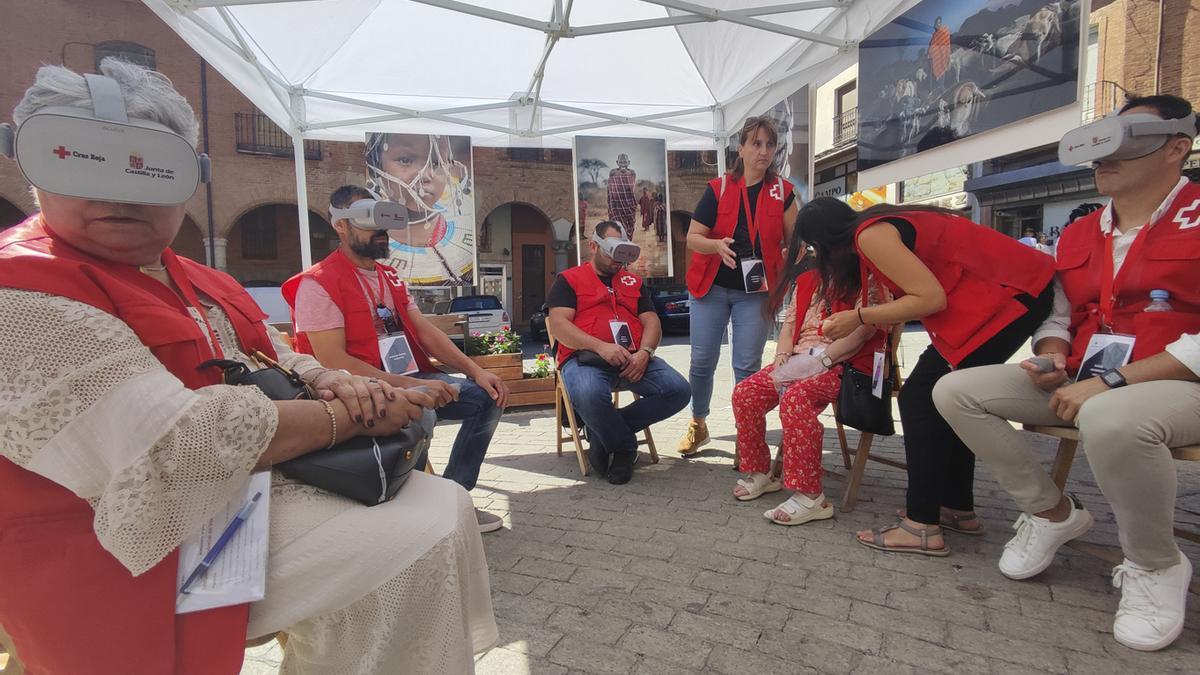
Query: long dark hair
{"points": [[749, 131], [829, 225]]}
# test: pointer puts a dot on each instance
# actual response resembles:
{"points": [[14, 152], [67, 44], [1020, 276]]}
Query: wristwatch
{"points": [[648, 350], [1113, 378], [826, 361]]}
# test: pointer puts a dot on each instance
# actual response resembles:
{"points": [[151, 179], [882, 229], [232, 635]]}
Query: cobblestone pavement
{"points": [[670, 574]]}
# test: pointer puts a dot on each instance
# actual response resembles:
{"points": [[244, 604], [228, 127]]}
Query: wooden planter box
{"points": [[524, 390]]}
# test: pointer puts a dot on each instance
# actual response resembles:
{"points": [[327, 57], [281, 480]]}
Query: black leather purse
{"points": [[369, 470], [857, 406]]}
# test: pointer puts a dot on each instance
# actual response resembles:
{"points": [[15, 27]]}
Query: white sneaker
{"points": [[1150, 615], [488, 522], [1038, 539]]}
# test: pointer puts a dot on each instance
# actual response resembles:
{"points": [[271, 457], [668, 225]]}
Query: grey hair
{"points": [[148, 95]]}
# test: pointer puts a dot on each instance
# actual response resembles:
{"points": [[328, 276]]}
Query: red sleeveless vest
{"points": [[768, 218], [806, 285], [596, 304], [982, 272], [1166, 259], [341, 280], [68, 604]]}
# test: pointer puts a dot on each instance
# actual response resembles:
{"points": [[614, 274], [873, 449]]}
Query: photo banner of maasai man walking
{"points": [[947, 69], [625, 179], [433, 177]]}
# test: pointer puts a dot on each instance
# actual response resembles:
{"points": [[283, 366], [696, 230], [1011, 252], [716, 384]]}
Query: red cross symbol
{"points": [[62, 152], [1184, 220]]}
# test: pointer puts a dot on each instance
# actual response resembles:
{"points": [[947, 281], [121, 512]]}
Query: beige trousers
{"points": [[1124, 432]]}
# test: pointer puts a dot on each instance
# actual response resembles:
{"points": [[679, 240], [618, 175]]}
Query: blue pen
{"points": [[242, 516]]}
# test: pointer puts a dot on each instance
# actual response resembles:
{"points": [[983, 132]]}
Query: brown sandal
{"points": [[877, 541], [953, 522]]}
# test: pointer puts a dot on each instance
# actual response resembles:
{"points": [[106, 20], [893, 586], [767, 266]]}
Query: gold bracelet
{"points": [[332, 424]]}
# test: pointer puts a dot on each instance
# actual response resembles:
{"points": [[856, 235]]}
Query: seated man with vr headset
{"points": [[355, 313], [1126, 275], [604, 322]]}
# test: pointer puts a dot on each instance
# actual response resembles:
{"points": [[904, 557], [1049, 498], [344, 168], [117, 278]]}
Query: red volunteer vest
{"points": [[341, 280], [982, 272], [68, 604], [1166, 259], [768, 219], [806, 286], [597, 304]]}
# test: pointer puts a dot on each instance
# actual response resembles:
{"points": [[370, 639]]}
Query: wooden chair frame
{"points": [[856, 464], [562, 403], [1064, 457]]}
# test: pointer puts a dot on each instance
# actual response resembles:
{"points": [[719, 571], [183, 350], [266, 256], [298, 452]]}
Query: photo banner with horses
{"points": [[948, 69]]}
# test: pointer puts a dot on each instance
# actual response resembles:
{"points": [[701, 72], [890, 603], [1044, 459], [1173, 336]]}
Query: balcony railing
{"points": [[845, 127], [1101, 98], [258, 135]]}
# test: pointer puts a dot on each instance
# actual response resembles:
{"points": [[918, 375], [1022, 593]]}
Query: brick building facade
{"points": [[253, 216]]}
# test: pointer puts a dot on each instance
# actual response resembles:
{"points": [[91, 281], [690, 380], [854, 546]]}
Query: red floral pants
{"points": [[803, 433]]}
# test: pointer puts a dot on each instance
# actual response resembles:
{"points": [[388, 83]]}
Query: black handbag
{"points": [[369, 470], [858, 408]]}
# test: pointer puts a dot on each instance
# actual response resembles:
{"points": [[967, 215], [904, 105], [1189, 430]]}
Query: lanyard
{"points": [[362, 281], [175, 271], [755, 243], [1108, 281]]}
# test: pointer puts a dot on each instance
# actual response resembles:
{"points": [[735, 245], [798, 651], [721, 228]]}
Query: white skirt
{"points": [[397, 588]]}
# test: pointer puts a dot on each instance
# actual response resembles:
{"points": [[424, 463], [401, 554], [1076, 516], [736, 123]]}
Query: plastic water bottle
{"points": [[1158, 302]]}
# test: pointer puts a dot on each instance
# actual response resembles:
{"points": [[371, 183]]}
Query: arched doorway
{"points": [[517, 238], [9, 214], [189, 243], [680, 220], [263, 246]]}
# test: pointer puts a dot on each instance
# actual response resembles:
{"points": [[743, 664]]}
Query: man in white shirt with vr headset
{"points": [[1112, 266], [607, 330]]}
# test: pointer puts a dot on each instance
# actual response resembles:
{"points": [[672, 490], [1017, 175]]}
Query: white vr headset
{"points": [[621, 250], [1121, 137], [103, 154], [372, 214]]}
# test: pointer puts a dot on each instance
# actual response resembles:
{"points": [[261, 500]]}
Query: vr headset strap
{"points": [[1183, 125], [107, 101]]}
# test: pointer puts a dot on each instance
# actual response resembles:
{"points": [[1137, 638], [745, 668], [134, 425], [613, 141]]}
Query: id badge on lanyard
{"points": [[621, 334], [754, 270]]}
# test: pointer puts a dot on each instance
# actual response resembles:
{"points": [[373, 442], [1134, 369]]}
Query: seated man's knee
{"points": [[428, 421], [951, 392], [1110, 434]]}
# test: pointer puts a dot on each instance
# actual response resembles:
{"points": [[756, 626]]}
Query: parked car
{"points": [[537, 325], [270, 300], [673, 309], [484, 313]]}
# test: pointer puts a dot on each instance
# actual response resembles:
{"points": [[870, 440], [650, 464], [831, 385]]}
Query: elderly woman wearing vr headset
{"points": [[1113, 264], [738, 232], [119, 444]]}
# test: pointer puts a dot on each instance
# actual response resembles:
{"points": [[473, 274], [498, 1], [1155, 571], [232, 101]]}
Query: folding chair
{"points": [[1068, 443], [857, 464], [562, 404]]}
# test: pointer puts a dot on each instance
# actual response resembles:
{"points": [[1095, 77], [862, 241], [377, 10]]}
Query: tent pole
{"points": [[720, 139], [306, 260]]}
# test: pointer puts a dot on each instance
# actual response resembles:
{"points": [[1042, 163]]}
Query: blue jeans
{"points": [[480, 415], [709, 317], [663, 393]]}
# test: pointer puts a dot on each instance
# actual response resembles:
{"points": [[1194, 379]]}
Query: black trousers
{"points": [[941, 469]]}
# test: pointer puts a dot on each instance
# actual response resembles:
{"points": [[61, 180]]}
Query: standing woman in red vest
{"points": [[120, 442], [979, 294], [738, 232]]}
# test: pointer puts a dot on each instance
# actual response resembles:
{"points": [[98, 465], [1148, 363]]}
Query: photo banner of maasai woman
{"points": [[433, 177], [625, 179]]}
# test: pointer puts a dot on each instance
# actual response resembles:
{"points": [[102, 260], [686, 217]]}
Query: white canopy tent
{"points": [[521, 72]]}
